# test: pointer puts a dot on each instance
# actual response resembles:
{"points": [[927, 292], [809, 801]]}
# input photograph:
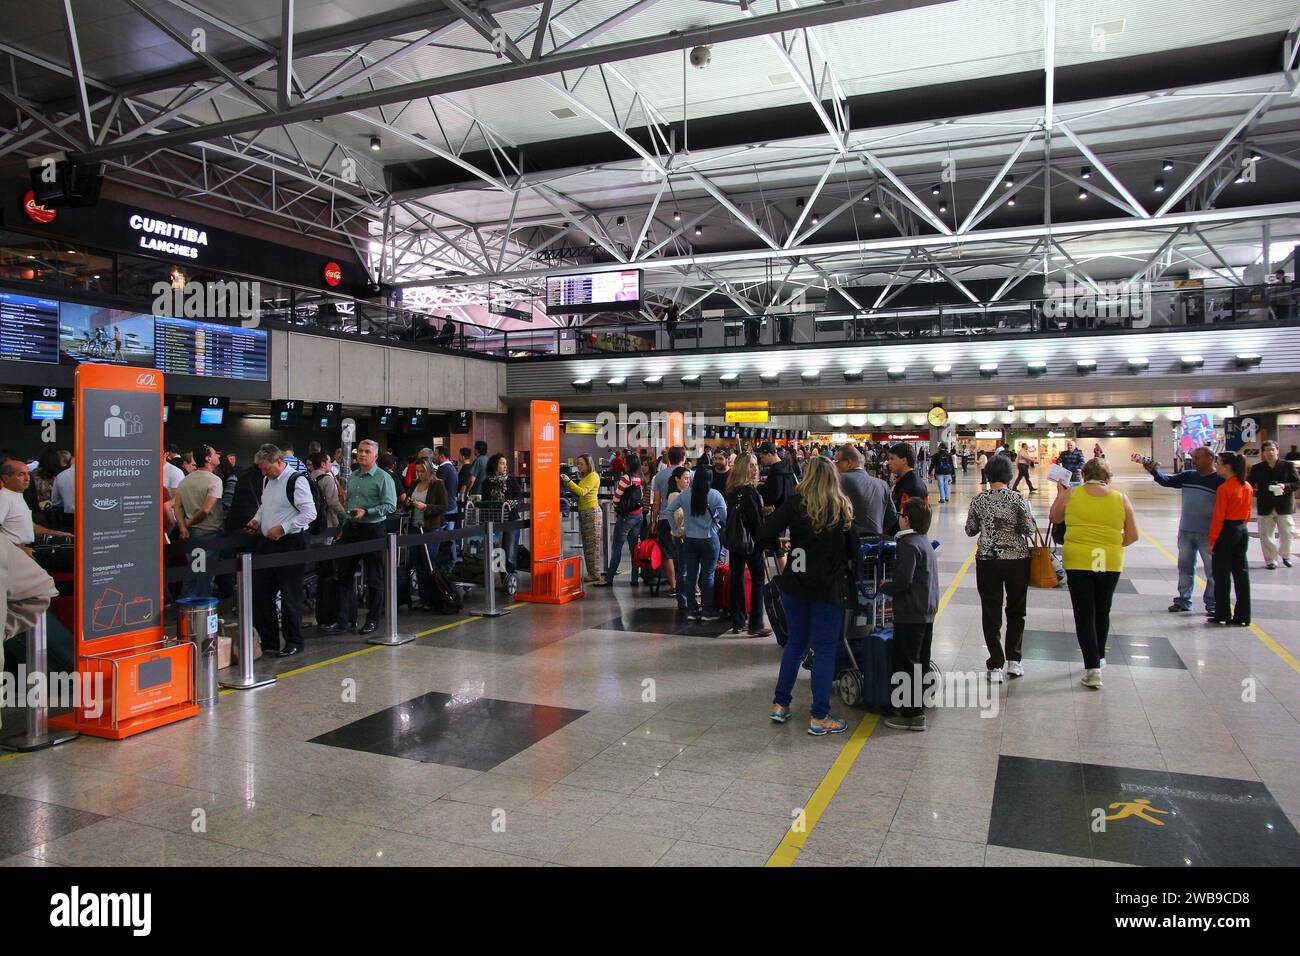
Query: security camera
{"points": [[700, 57]]}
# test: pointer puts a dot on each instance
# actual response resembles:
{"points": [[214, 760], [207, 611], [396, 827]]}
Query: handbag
{"points": [[1042, 568]]}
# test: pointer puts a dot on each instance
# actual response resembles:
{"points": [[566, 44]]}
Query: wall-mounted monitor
{"points": [[91, 333], [387, 417], [29, 329], [415, 419], [210, 410], [327, 415], [462, 422], [47, 410], [586, 292], [285, 413], [210, 349]]}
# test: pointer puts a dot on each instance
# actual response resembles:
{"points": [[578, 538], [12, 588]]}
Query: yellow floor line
{"points": [[1264, 637], [788, 849]]}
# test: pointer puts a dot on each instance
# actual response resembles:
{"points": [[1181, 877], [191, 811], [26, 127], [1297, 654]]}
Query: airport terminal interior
{"points": [[650, 433]]}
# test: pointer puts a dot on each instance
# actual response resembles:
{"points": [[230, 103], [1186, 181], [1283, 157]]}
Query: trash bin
{"points": [[197, 623]]}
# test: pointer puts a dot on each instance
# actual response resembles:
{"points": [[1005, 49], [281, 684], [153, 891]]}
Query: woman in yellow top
{"points": [[587, 488], [1099, 525]]}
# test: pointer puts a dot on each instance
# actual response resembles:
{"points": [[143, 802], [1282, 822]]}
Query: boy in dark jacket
{"points": [[915, 590]]}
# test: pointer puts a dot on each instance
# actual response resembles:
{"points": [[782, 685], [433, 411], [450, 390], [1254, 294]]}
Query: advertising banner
{"points": [[119, 506], [676, 429], [544, 479], [1197, 430]]}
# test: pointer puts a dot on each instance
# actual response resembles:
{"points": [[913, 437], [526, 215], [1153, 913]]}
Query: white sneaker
{"points": [[995, 675], [1092, 678], [1015, 669]]}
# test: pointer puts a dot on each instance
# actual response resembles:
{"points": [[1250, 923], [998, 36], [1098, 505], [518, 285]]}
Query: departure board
{"points": [[188, 347], [594, 292], [29, 329]]}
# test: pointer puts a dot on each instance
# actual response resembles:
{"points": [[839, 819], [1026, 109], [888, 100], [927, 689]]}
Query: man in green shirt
{"points": [[371, 497]]}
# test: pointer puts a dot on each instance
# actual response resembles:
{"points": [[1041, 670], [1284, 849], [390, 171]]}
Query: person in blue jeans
{"points": [[1199, 485], [672, 531], [705, 512], [629, 506], [819, 517], [943, 469]]}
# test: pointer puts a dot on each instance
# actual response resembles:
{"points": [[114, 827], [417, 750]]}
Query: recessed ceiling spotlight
{"points": [[1083, 194], [1085, 173], [677, 216], [935, 190], [1159, 186], [376, 144], [699, 230], [815, 219], [1008, 183], [866, 197], [1167, 165], [1011, 201], [876, 214], [943, 207]]}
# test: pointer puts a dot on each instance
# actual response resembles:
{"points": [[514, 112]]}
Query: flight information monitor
{"points": [[594, 292], [29, 329], [189, 347]]}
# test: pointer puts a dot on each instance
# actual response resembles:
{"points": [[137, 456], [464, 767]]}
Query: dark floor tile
{"points": [[1133, 650], [27, 823], [1157, 818], [663, 620], [475, 733]]}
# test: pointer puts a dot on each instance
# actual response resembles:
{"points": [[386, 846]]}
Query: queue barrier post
{"points": [[38, 735], [489, 581], [606, 534], [247, 678], [392, 638]]}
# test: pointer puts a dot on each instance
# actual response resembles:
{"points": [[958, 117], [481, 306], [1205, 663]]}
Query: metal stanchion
{"points": [[392, 638], [606, 534], [38, 735], [489, 581], [246, 680]]}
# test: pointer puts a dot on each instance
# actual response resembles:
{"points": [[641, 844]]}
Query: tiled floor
{"points": [[611, 732]]}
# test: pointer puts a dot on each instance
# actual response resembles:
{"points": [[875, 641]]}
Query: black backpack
{"points": [[317, 525], [631, 500], [735, 536]]}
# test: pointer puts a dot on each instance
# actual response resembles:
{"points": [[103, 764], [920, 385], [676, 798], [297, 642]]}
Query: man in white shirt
{"points": [[172, 476], [281, 522], [16, 522]]}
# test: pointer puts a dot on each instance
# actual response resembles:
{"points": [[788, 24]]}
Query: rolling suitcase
{"points": [[772, 605], [648, 559], [722, 588], [863, 667]]}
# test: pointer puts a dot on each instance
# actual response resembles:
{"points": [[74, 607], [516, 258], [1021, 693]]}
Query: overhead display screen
{"points": [[189, 347], [594, 292], [29, 329], [89, 333]]}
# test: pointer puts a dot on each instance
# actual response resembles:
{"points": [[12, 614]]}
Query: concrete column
{"points": [[1162, 441]]}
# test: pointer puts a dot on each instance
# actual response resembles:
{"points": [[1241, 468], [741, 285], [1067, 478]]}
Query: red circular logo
{"points": [[333, 273], [35, 211]]}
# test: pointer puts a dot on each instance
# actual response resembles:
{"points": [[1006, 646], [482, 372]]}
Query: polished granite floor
{"points": [[611, 732]]}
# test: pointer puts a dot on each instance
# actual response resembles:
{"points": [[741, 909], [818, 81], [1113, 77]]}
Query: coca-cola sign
{"points": [[333, 273], [35, 211]]}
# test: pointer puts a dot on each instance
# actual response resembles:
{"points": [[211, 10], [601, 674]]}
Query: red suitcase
{"points": [[722, 589]]}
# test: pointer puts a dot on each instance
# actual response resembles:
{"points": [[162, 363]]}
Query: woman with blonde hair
{"points": [[819, 518], [1099, 525], [587, 488], [740, 538]]}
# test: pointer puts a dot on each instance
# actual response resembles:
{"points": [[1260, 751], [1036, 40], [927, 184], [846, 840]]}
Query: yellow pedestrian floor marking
{"points": [[788, 849]]}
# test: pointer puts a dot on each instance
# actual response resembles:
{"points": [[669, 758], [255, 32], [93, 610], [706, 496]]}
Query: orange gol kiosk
{"points": [[141, 680], [556, 579]]}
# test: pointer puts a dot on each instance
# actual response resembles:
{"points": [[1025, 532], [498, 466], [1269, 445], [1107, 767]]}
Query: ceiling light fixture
{"points": [[896, 372], [690, 381], [769, 378], [1248, 359], [942, 371], [1138, 364], [376, 144], [1159, 186], [876, 214], [853, 375], [1084, 366], [582, 384], [989, 369], [1189, 362], [677, 216], [935, 190], [699, 230], [1011, 201], [1167, 165], [1037, 368], [810, 375], [1083, 194], [618, 383], [729, 378], [653, 381], [1085, 173], [1008, 183]]}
